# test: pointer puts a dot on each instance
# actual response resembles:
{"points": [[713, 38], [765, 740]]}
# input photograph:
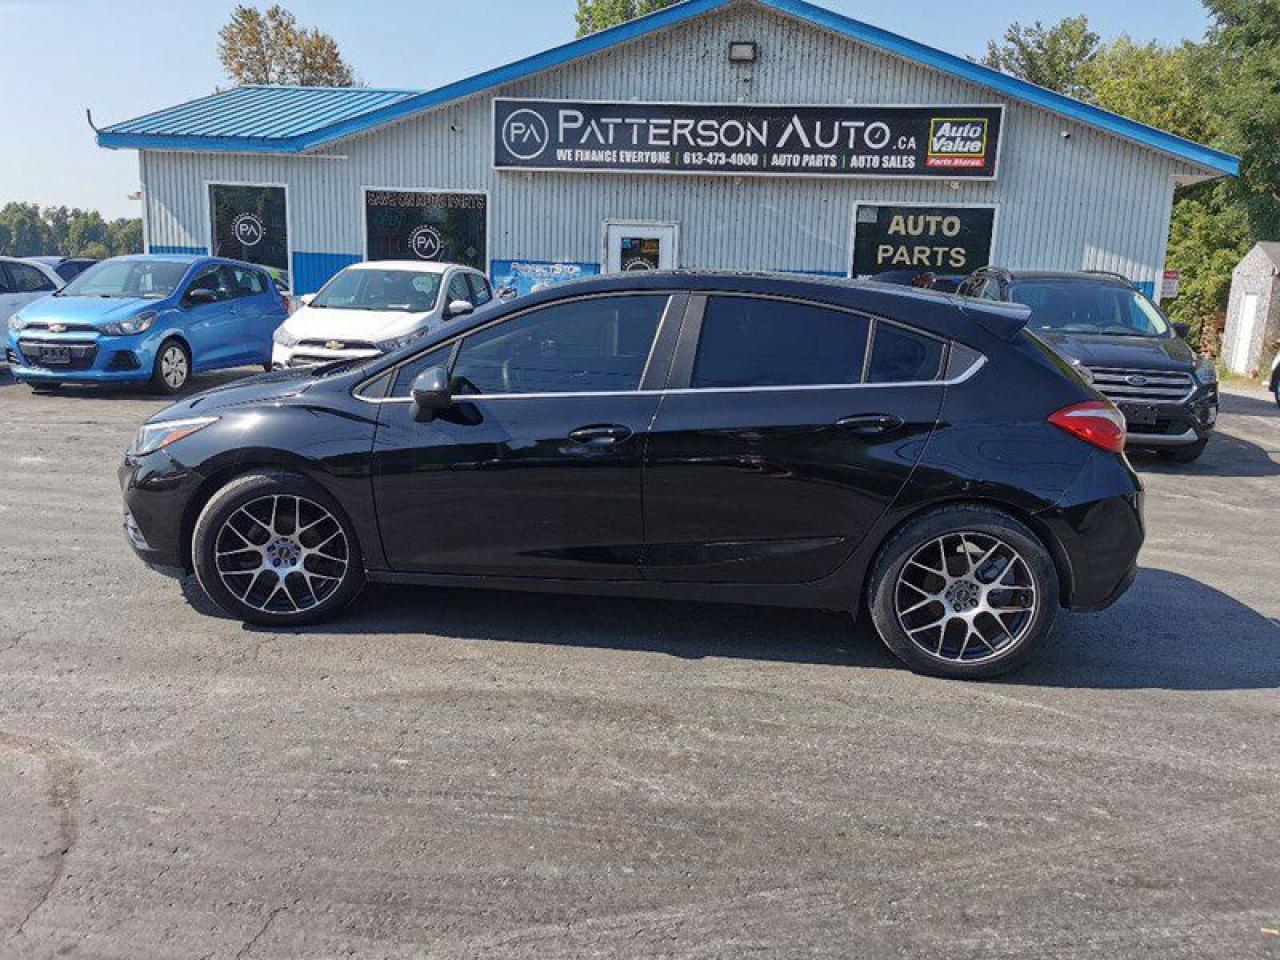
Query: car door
{"points": [[789, 430], [212, 329], [258, 312], [536, 470]]}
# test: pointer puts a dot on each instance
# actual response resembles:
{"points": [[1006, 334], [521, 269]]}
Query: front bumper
{"points": [[36, 356], [156, 490], [1173, 424]]}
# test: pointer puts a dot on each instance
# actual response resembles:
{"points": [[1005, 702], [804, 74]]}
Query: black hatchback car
{"points": [[741, 438], [1124, 346]]}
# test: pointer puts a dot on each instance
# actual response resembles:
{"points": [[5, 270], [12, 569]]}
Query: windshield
{"points": [[153, 279], [1072, 306], [402, 290]]}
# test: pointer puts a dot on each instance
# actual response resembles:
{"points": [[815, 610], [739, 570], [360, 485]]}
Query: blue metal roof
{"points": [[296, 119], [256, 118]]}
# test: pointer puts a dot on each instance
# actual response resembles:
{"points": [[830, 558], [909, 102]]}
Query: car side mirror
{"points": [[458, 308], [306, 299], [1183, 330], [201, 295], [431, 393]]}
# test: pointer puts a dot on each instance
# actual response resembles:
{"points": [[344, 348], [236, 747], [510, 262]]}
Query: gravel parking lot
{"points": [[448, 773]]}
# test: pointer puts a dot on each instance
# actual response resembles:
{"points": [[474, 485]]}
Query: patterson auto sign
{"points": [[950, 142]]}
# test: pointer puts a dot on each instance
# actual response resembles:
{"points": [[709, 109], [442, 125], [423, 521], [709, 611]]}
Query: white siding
{"points": [[1090, 200]]}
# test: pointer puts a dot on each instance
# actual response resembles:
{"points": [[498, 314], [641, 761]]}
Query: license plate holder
{"points": [[1140, 414], [55, 355]]}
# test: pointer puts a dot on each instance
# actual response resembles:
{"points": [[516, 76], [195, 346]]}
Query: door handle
{"points": [[870, 424], [600, 434]]}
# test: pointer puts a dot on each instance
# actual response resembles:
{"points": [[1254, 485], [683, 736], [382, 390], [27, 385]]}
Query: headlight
{"points": [[284, 338], [16, 323], [127, 328], [395, 343], [1206, 371], [156, 436]]}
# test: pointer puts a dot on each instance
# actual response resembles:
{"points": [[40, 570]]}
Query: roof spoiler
{"points": [[1002, 320]]}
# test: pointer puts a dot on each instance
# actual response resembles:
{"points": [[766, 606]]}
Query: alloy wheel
{"points": [[282, 554], [966, 597], [174, 367]]}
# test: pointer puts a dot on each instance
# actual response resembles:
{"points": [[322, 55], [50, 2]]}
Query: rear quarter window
{"points": [[899, 355]]}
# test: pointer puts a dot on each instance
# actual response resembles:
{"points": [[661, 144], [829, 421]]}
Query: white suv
{"points": [[373, 308]]}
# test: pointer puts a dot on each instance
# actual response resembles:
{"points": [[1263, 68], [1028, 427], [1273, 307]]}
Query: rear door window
{"points": [[27, 279], [755, 342], [6, 285]]}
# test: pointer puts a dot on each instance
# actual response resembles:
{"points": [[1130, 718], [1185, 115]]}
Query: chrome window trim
{"points": [[803, 388], [872, 320]]}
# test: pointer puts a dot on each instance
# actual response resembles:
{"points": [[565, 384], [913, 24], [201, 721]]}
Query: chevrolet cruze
{"points": [[745, 438]]}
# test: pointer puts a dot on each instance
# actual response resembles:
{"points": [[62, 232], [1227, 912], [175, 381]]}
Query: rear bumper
{"points": [[1097, 530]]}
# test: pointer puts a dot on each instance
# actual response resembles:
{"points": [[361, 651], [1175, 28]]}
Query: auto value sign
{"points": [[950, 142]]}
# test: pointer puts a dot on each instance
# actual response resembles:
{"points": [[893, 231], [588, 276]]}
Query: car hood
{"points": [[262, 388], [329, 323], [94, 311], [1130, 353]]}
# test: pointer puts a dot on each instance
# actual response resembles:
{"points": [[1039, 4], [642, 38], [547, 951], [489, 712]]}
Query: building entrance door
{"points": [[635, 245]]}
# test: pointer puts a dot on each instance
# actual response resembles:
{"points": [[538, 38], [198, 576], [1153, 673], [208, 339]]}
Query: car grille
{"points": [[38, 326], [80, 355], [1142, 386], [334, 346]]}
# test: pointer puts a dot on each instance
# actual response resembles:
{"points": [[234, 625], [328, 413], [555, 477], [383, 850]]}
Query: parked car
{"points": [[67, 268], [22, 283], [371, 308], [147, 318], [1124, 346], [742, 438]]}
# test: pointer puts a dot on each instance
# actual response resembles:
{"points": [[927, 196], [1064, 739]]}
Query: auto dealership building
{"points": [[738, 134]]}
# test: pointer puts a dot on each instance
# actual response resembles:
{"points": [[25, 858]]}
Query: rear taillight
{"points": [[1096, 422]]}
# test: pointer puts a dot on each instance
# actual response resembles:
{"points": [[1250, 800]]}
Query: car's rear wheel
{"points": [[966, 592], [272, 548], [172, 367]]}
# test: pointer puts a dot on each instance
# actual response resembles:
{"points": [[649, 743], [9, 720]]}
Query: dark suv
{"points": [[741, 438], [1124, 346]]}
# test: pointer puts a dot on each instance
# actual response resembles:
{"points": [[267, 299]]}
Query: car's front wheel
{"points": [[172, 367], [966, 592], [274, 549]]}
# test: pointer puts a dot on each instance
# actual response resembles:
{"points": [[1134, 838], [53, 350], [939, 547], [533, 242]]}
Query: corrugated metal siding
{"points": [[1087, 201]]}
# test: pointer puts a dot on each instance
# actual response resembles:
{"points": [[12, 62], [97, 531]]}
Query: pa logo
{"points": [[248, 229], [525, 135], [425, 242]]}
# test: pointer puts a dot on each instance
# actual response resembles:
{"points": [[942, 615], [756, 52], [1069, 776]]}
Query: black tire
{"points": [[1188, 454], [1275, 391], [1017, 644], [171, 371], [331, 586]]}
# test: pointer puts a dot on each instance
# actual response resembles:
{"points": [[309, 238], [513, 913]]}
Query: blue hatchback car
{"points": [[156, 319]]}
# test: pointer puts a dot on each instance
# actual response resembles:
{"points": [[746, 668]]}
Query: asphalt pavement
{"points": [[454, 774]]}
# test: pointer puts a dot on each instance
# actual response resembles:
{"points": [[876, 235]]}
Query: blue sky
{"points": [[122, 58]]}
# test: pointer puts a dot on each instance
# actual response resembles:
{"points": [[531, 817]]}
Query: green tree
{"points": [[125, 236], [28, 233], [596, 15], [1052, 57], [1156, 85], [85, 231], [270, 48], [1243, 50]]}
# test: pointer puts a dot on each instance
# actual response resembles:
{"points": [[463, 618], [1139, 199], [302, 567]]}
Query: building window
{"points": [[410, 225], [251, 223]]}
